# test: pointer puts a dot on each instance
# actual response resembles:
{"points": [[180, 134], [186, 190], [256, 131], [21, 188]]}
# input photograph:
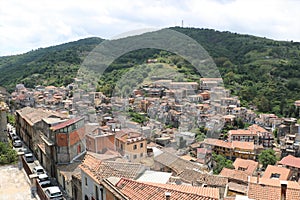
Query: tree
{"points": [[7, 154], [200, 133], [11, 119], [267, 157], [239, 123], [220, 162]]}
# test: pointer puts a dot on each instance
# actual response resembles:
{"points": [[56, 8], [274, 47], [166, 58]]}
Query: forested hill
{"points": [[55, 65], [264, 73]]}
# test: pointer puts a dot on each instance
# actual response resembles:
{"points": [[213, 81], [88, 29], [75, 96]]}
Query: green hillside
{"points": [[55, 65], [264, 73]]}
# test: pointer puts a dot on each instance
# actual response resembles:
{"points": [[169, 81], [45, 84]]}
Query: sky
{"points": [[32, 24]]}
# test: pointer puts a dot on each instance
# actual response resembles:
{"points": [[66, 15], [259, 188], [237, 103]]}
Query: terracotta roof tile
{"points": [[230, 145], [249, 165], [256, 128], [98, 169], [237, 187], [243, 145], [283, 172], [175, 163], [241, 132], [90, 165], [234, 174], [290, 161], [34, 115], [270, 189], [65, 124], [217, 142], [135, 190], [120, 169], [192, 176]]}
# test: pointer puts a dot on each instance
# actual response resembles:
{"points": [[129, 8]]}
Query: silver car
{"points": [[53, 192]]}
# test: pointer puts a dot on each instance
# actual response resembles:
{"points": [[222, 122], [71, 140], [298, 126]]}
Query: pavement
{"points": [[14, 184]]}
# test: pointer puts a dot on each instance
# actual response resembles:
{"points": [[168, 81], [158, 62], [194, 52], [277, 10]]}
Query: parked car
{"points": [[11, 134], [29, 157], [44, 180], [38, 170], [17, 143], [15, 137], [25, 150], [53, 192]]}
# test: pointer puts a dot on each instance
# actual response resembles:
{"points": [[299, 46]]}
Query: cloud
{"points": [[27, 25]]}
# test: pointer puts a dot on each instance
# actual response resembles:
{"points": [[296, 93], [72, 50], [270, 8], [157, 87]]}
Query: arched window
{"points": [[86, 197]]}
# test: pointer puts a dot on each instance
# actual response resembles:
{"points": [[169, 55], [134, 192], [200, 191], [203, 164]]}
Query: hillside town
{"points": [[161, 142]]}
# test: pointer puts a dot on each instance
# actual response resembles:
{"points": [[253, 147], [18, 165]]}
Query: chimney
{"points": [[168, 195], [283, 190], [258, 176]]}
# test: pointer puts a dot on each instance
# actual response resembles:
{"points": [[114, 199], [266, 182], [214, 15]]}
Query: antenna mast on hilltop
{"points": [[181, 23]]}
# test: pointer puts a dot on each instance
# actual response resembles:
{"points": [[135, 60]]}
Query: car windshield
{"points": [[44, 179], [56, 194]]}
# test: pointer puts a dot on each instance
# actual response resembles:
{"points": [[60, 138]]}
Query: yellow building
{"points": [[232, 150], [131, 145]]}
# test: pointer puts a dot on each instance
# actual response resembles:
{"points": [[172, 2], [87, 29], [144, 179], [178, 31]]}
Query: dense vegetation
{"points": [[7, 154], [267, 157], [264, 73], [219, 162], [56, 65]]}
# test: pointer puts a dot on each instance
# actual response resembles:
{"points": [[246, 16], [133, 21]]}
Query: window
{"points": [[141, 155], [85, 181], [142, 145], [134, 156], [97, 192], [101, 191], [241, 168], [134, 147], [275, 175], [78, 149]]}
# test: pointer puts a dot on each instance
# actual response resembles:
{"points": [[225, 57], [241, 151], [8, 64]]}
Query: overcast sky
{"points": [[27, 25]]}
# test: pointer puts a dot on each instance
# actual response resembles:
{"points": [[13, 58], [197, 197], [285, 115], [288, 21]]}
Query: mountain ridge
{"points": [[263, 72]]}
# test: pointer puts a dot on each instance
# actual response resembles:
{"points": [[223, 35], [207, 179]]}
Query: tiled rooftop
{"points": [[284, 173], [248, 166], [256, 128], [65, 124], [120, 169], [90, 166], [290, 161], [237, 187], [152, 191], [175, 163], [270, 189], [234, 174], [192, 176], [243, 145], [33, 115], [241, 132], [98, 169], [230, 145]]}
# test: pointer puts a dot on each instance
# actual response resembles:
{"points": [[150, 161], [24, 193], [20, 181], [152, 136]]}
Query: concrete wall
{"points": [[88, 187], [66, 185]]}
